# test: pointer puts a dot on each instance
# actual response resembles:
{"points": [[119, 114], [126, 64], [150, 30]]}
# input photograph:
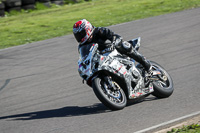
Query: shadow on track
{"points": [[61, 112], [141, 99], [71, 111]]}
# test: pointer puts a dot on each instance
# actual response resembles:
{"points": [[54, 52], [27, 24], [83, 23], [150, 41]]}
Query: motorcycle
{"points": [[117, 78]]}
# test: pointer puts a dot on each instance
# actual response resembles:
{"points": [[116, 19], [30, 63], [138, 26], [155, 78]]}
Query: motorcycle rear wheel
{"points": [[113, 99], [163, 88]]}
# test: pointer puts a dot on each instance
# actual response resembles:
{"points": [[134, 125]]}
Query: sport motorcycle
{"points": [[117, 78]]}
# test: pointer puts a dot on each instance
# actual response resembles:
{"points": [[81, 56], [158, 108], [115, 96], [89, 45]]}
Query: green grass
{"points": [[28, 27], [194, 128]]}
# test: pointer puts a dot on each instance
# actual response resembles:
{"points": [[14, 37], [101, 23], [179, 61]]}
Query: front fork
{"points": [[110, 83]]}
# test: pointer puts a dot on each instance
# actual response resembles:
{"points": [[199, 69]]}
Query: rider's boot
{"points": [[141, 59], [145, 63], [126, 48]]}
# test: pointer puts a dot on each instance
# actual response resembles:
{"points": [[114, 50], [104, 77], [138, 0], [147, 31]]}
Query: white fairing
{"points": [[113, 62]]}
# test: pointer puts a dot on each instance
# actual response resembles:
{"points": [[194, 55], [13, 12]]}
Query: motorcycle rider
{"points": [[85, 33]]}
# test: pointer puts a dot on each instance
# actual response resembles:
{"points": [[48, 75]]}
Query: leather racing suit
{"points": [[101, 34]]}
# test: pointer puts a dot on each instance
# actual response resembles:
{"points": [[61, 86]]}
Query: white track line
{"points": [[168, 122]]}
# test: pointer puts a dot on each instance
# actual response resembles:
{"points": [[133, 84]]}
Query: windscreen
{"points": [[85, 50]]}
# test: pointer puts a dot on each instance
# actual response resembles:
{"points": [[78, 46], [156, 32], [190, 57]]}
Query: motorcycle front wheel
{"points": [[112, 97], [163, 87]]}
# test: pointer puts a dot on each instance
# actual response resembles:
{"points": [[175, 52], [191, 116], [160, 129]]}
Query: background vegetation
{"points": [[30, 26], [194, 128]]}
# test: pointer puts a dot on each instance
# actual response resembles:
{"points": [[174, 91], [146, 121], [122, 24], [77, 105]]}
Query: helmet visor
{"points": [[80, 35]]}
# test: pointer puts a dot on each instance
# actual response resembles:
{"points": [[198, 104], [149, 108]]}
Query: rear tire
{"points": [[162, 89], [109, 101]]}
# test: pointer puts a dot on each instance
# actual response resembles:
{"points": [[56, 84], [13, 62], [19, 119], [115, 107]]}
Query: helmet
{"points": [[82, 30]]}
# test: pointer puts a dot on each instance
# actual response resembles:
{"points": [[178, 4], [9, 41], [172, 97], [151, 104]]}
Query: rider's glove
{"points": [[117, 42], [109, 49]]}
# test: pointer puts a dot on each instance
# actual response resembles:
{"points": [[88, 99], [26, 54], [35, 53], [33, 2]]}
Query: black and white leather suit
{"points": [[101, 35]]}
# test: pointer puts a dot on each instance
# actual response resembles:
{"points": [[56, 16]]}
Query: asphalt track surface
{"points": [[41, 91]]}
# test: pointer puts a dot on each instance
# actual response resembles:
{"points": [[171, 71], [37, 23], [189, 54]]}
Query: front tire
{"points": [[113, 99], [163, 88]]}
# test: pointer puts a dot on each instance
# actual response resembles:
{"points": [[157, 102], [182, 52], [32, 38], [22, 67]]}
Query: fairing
{"points": [[91, 62]]}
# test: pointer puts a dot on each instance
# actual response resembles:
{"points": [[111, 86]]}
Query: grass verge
{"points": [[58, 21], [194, 128]]}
